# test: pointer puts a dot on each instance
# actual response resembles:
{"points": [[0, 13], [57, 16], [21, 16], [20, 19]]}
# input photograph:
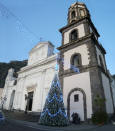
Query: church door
{"points": [[30, 101]]}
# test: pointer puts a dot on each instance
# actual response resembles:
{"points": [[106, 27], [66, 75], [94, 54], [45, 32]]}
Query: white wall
{"points": [[41, 51], [7, 92], [83, 50], [81, 33], [106, 85], [82, 81], [8, 88], [36, 78], [8, 96], [38, 54], [18, 99], [77, 107]]}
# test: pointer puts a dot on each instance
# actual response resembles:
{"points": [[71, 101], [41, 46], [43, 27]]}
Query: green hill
{"points": [[4, 67]]}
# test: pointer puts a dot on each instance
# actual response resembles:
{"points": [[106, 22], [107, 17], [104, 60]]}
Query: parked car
{"points": [[2, 118]]}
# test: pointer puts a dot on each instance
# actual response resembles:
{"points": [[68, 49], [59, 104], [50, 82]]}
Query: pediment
{"points": [[39, 45]]}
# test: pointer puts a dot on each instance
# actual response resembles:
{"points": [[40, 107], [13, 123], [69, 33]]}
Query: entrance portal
{"points": [[30, 101], [76, 103]]}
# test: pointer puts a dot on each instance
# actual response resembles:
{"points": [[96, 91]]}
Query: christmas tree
{"points": [[54, 112]]}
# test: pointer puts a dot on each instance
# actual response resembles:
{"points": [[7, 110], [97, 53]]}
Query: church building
{"points": [[29, 90], [81, 49]]}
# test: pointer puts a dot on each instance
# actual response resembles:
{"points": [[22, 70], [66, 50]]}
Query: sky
{"points": [[24, 23]]}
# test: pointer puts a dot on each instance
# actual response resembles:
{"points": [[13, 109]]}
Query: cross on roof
{"points": [[41, 39]]}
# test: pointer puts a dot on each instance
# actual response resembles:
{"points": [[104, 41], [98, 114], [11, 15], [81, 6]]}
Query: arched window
{"points": [[82, 12], [76, 60], [72, 21], [101, 62], [73, 14], [74, 35]]}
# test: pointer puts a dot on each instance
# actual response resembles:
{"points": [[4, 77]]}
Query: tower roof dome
{"points": [[77, 11], [77, 3]]}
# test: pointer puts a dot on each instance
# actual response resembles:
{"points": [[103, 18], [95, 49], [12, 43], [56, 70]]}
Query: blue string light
{"points": [[55, 84], [55, 97], [54, 115], [75, 69], [59, 59]]}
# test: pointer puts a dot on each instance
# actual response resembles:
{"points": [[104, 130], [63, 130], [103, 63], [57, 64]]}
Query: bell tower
{"points": [[81, 49], [76, 12]]}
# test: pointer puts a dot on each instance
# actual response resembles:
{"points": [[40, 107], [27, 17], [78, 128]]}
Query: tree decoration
{"points": [[54, 112]]}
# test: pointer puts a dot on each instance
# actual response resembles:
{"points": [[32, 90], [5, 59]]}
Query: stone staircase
{"points": [[30, 116]]}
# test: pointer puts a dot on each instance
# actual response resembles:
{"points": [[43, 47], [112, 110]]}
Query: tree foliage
{"points": [[100, 116], [4, 67], [54, 112]]}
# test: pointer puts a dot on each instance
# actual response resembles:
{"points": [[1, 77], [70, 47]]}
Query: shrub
{"points": [[100, 117]]}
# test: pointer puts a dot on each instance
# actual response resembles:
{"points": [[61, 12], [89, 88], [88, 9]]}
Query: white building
{"points": [[80, 48], [33, 81]]}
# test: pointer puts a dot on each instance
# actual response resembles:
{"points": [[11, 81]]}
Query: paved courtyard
{"points": [[22, 126], [9, 126]]}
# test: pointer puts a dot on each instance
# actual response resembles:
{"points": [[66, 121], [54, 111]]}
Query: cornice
{"points": [[82, 41], [71, 24], [40, 45], [85, 19], [42, 62], [73, 43], [85, 68]]}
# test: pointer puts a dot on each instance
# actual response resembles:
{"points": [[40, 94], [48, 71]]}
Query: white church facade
{"points": [[33, 81], [80, 48]]}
